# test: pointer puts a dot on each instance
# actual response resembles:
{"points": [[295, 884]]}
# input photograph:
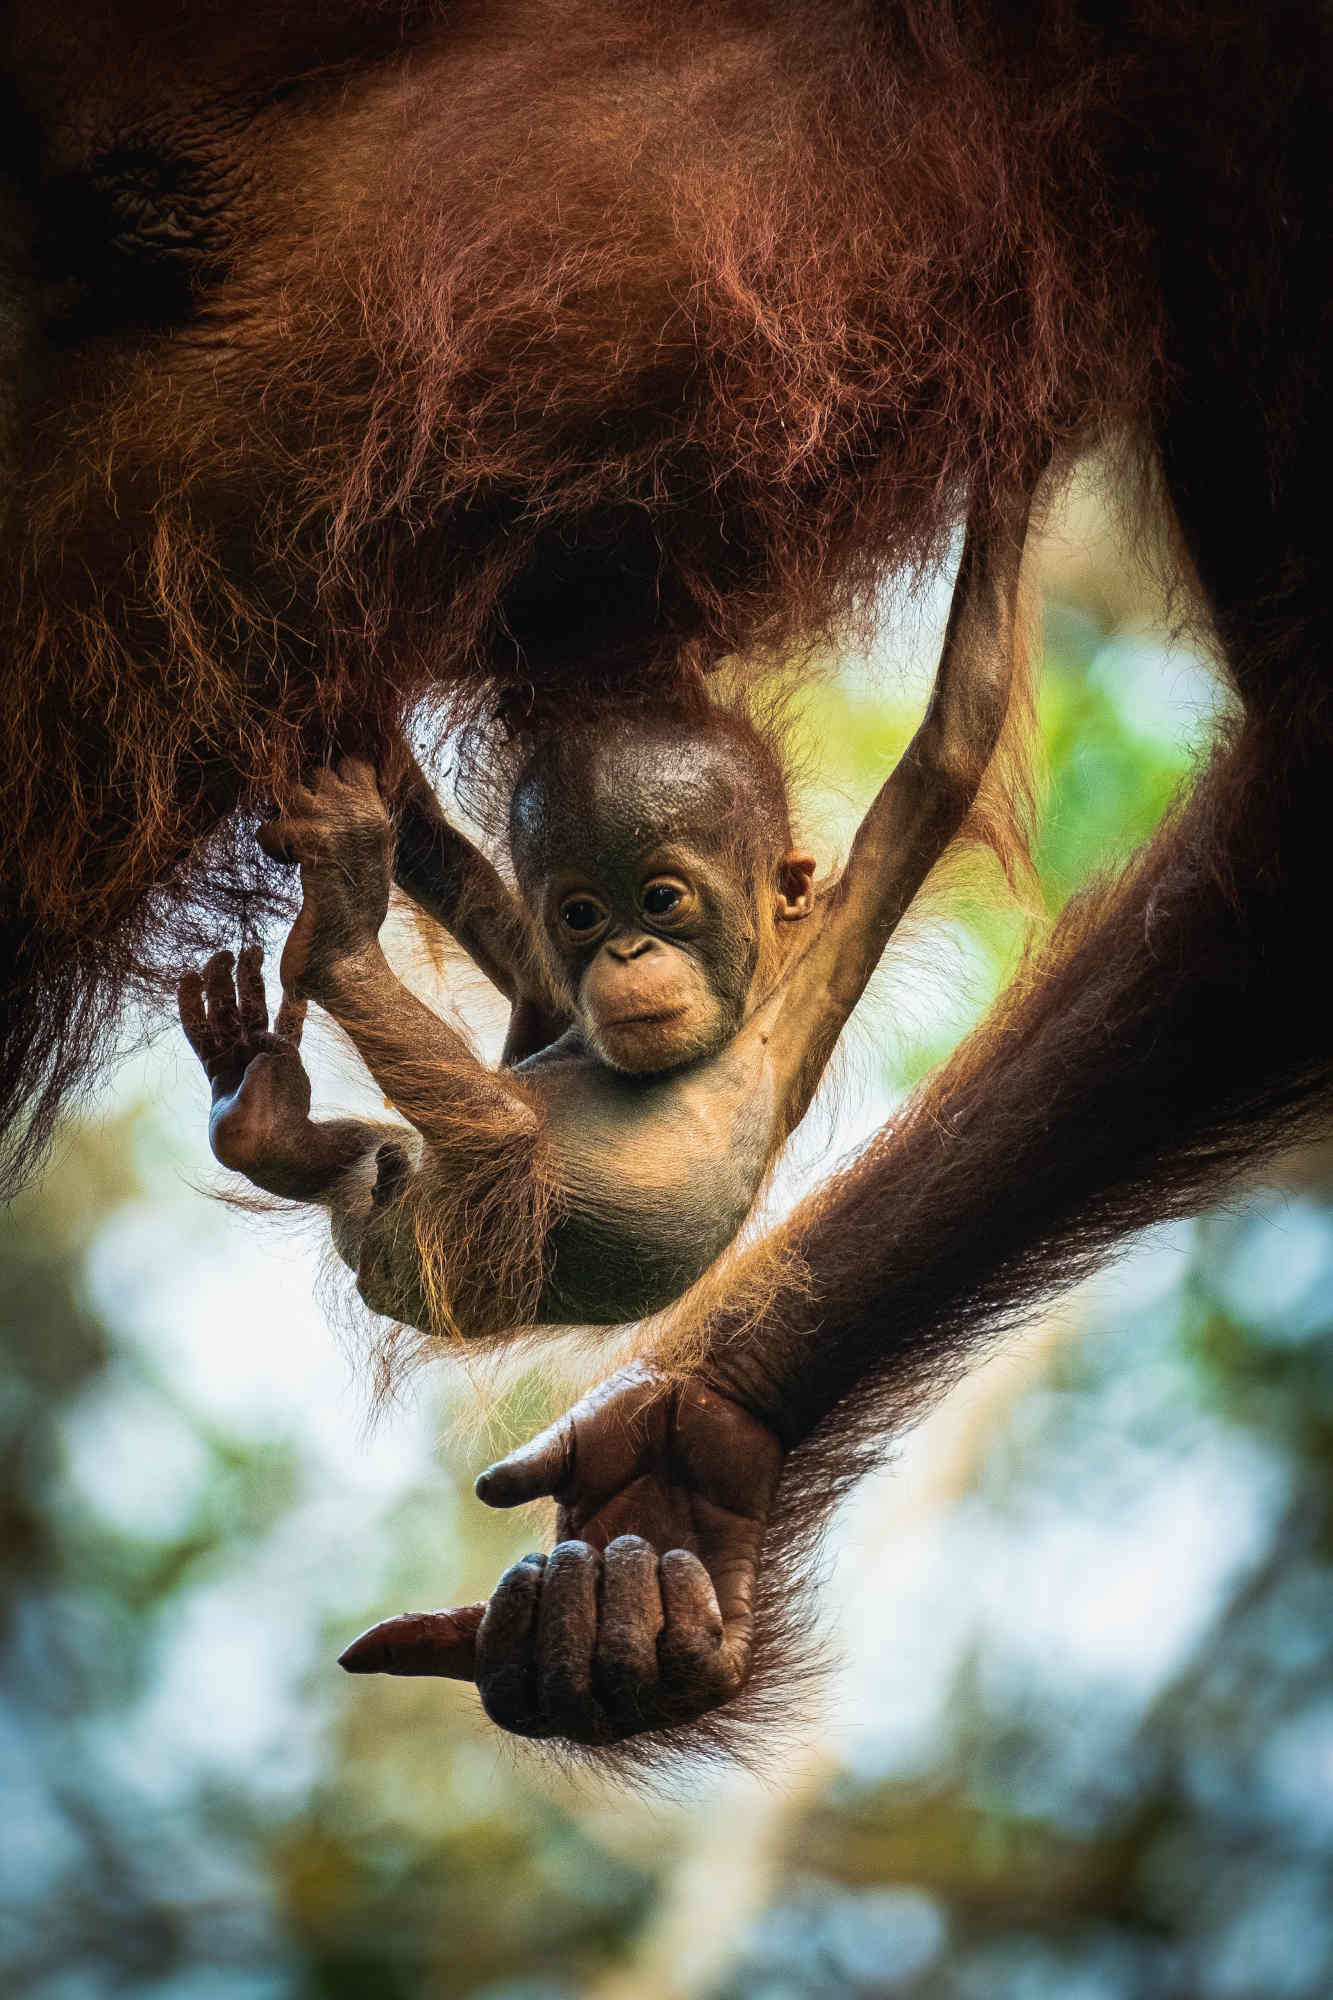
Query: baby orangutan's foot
{"points": [[260, 1123], [337, 828]]}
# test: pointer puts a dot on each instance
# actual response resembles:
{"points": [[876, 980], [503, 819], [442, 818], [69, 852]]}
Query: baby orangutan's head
{"points": [[657, 860]]}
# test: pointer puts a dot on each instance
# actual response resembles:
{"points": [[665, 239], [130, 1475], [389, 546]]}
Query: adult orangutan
{"points": [[365, 352]]}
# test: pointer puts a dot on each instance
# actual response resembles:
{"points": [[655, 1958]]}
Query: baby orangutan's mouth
{"points": [[645, 1020]]}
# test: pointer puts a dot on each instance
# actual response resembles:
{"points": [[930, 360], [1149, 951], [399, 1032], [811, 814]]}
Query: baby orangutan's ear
{"points": [[796, 886]]}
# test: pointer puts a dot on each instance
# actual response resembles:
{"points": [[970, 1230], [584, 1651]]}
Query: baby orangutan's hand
{"points": [[337, 827], [640, 1618]]}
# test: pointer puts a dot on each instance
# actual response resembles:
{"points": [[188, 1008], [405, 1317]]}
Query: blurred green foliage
{"points": [[1112, 1642]]}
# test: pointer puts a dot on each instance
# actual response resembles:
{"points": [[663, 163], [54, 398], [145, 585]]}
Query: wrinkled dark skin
{"points": [[604, 1638]]}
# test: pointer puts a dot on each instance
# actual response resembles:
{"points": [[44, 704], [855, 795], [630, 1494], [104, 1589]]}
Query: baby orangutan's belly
{"points": [[609, 1266], [655, 1179], [638, 1185]]}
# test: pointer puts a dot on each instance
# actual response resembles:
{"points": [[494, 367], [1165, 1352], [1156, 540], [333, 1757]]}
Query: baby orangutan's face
{"points": [[660, 949], [643, 861]]}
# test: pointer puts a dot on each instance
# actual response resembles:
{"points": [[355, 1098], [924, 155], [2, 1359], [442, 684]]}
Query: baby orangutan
{"points": [[676, 986]]}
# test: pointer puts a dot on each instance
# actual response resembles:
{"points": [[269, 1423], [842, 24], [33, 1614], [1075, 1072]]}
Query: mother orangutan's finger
{"points": [[443, 1643], [507, 1646], [566, 1637], [692, 1652], [625, 1669]]}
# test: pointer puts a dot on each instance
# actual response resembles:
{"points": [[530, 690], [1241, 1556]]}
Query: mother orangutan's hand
{"points": [[640, 1617]]}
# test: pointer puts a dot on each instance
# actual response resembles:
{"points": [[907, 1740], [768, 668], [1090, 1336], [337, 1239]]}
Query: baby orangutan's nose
{"points": [[633, 946]]}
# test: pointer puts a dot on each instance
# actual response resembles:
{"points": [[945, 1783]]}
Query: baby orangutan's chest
{"points": [[655, 1177]]}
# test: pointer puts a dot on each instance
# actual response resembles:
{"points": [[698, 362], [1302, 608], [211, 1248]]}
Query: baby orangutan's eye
{"points": [[581, 915], [663, 899]]}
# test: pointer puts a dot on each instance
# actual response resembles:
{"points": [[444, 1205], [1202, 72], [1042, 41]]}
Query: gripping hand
{"points": [[640, 1618]]}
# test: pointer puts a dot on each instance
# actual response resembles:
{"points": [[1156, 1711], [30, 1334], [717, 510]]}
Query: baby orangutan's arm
{"points": [[339, 831], [454, 883], [922, 806], [641, 1617]]}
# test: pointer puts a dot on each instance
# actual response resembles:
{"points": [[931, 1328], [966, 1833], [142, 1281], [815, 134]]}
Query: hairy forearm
{"points": [[1168, 1037], [424, 1067], [455, 884], [932, 790], [1167, 1034]]}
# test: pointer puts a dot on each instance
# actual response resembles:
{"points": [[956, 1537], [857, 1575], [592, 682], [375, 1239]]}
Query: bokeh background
{"points": [[1081, 1742]]}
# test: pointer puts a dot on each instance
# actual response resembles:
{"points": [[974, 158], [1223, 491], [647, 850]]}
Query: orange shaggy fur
{"points": [[699, 322]]}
